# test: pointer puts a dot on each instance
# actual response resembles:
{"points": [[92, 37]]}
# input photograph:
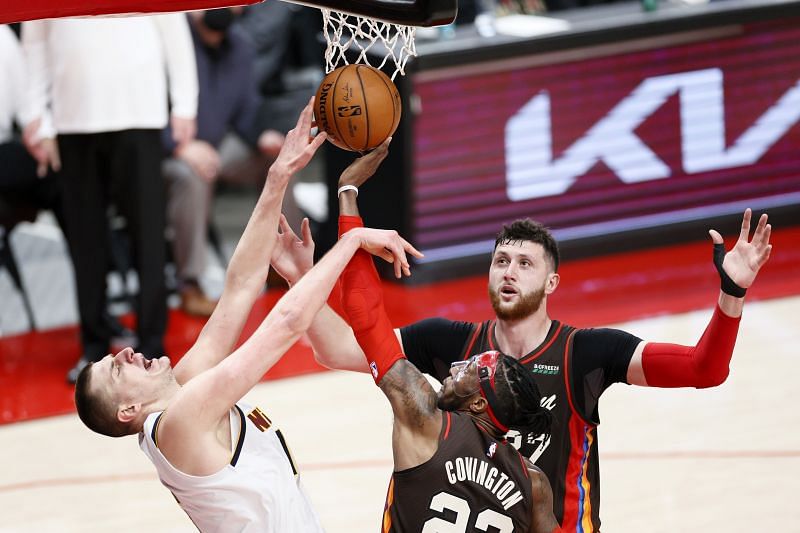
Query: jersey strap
{"points": [[239, 444], [568, 381], [479, 327]]}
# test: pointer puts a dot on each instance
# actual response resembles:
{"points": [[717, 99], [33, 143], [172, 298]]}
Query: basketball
{"points": [[358, 106]]}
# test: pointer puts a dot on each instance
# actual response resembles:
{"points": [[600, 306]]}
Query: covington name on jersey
{"points": [[484, 474]]}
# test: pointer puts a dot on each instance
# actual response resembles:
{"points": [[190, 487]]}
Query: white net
{"points": [[368, 37]]}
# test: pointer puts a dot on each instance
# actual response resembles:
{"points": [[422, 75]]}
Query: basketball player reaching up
{"points": [[227, 467], [573, 366], [453, 469]]}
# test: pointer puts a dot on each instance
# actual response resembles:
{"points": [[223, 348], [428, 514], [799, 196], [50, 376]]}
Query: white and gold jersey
{"points": [[258, 491]]}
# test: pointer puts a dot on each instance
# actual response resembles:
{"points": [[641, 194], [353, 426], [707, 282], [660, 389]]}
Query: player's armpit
{"points": [[543, 521], [187, 437]]}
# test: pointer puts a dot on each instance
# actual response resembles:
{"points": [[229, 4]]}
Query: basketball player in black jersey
{"points": [[573, 366], [453, 470]]}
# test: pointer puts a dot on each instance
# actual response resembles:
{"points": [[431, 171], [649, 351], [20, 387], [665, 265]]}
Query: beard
{"points": [[448, 400], [444, 404], [527, 304]]}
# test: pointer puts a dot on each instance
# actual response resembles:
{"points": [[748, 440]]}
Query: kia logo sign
{"points": [[593, 145], [531, 171]]}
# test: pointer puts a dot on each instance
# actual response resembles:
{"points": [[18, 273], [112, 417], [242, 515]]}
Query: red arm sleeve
{"points": [[362, 300], [701, 366]]}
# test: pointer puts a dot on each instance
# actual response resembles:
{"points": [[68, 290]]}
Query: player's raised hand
{"points": [[360, 170], [389, 246], [298, 146], [745, 259], [292, 257]]}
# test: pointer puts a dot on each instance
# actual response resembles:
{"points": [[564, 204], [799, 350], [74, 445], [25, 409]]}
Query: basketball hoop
{"points": [[364, 35], [376, 29]]}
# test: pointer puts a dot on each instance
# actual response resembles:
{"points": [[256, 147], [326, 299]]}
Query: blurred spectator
{"points": [[101, 85], [24, 182], [289, 66], [289, 62], [22, 179], [228, 102]]}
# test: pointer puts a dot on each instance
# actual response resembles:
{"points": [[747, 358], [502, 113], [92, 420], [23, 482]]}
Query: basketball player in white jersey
{"points": [[224, 462]]}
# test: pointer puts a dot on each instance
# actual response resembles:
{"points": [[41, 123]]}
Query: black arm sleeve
{"points": [[432, 344], [600, 357]]}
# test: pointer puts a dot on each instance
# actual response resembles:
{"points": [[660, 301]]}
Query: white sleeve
{"points": [[37, 104], [176, 42]]}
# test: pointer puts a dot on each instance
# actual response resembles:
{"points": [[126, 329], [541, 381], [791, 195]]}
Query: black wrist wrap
{"points": [[728, 286]]}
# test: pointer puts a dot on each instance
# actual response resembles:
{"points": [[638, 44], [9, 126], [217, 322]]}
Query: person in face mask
{"points": [[213, 26], [227, 146]]}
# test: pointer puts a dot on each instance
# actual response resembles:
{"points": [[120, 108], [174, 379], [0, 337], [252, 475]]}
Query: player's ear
{"points": [[478, 404], [552, 282], [127, 413]]}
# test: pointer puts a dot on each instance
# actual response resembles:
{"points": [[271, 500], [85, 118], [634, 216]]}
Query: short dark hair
{"points": [[96, 411], [525, 229], [520, 397]]}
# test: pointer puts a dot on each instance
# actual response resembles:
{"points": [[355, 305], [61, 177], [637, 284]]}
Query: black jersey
{"points": [[572, 368], [473, 482]]}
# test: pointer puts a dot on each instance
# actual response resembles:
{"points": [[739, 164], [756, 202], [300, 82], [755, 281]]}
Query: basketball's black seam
{"points": [[333, 108], [391, 93], [366, 111]]}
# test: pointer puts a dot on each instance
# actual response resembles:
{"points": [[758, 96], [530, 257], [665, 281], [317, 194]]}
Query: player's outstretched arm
{"points": [[417, 420], [249, 265], [707, 363], [211, 394], [331, 337], [542, 505]]}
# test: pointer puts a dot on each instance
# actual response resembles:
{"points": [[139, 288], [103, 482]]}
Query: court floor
{"points": [[718, 460]]}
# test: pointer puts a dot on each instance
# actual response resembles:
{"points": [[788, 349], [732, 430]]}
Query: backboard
{"points": [[406, 12]]}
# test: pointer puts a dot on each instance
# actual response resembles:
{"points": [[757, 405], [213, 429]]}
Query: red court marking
{"points": [[593, 292], [380, 463]]}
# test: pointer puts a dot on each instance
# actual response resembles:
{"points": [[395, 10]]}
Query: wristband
{"points": [[728, 286], [347, 188]]}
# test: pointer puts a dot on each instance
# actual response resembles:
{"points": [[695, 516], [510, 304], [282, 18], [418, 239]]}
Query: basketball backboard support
{"points": [[22, 10], [404, 12]]}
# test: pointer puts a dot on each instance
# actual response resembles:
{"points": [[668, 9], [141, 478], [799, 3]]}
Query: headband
{"points": [[487, 368]]}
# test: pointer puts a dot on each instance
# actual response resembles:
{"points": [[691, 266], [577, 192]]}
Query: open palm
{"points": [[293, 257], [745, 259]]}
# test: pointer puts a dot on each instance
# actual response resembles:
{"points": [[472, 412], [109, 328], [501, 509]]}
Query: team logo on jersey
{"points": [[547, 370], [261, 421], [492, 450], [531, 445], [374, 368]]}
